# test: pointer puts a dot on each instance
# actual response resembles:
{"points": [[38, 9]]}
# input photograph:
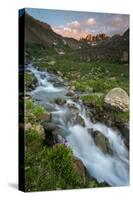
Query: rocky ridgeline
{"points": [[95, 38]]}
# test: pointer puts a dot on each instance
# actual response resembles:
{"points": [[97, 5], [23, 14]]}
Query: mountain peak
{"points": [[95, 38]]}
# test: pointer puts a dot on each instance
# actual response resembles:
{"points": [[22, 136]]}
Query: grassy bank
{"points": [[48, 167]]}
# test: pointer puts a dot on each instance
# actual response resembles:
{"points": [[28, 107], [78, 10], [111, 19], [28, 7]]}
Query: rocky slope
{"points": [[37, 32], [115, 48]]}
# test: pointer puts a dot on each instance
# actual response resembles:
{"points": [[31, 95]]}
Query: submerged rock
{"points": [[79, 167], [117, 99], [124, 129], [101, 141], [59, 131], [60, 101], [49, 126], [80, 120]]}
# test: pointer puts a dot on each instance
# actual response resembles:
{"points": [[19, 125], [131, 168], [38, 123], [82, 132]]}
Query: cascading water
{"points": [[112, 168]]}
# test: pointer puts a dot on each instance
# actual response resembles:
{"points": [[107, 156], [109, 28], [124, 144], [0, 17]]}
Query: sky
{"points": [[78, 24]]}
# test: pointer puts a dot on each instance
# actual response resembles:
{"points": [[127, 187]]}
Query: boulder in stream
{"points": [[80, 120], [49, 126], [60, 101], [117, 99], [101, 141], [79, 167]]}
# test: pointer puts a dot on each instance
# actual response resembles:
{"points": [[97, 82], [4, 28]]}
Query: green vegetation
{"points": [[97, 102], [85, 76], [120, 116], [33, 112], [100, 75], [29, 80], [94, 101], [34, 138], [51, 168]]}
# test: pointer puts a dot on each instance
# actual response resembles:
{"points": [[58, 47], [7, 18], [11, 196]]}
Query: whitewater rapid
{"points": [[112, 168]]}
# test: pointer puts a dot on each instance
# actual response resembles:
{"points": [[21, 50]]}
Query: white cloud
{"points": [[91, 21], [70, 32], [74, 24], [67, 29]]}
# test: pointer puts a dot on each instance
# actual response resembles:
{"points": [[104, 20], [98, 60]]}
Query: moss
{"points": [[34, 139], [121, 116], [103, 113], [94, 101], [33, 112], [29, 80]]}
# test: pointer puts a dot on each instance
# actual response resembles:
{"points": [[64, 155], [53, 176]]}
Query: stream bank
{"points": [[80, 133]]}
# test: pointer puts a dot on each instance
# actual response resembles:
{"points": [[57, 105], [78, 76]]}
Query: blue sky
{"points": [[78, 24]]}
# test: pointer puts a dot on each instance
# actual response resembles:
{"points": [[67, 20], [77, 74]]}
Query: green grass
{"points": [[97, 102], [123, 117], [50, 169], [29, 79], [94, 101], [53, 169], [100, 84], [33, 112], [34, 139], [102, 75]]}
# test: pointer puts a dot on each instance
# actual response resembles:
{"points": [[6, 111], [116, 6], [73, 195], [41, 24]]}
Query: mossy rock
{"points": [[96, 101], [30, 81], [33, 112], [34, 138]]}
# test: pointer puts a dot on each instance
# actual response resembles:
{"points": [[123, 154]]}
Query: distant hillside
{"points": [[41, 33]]}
